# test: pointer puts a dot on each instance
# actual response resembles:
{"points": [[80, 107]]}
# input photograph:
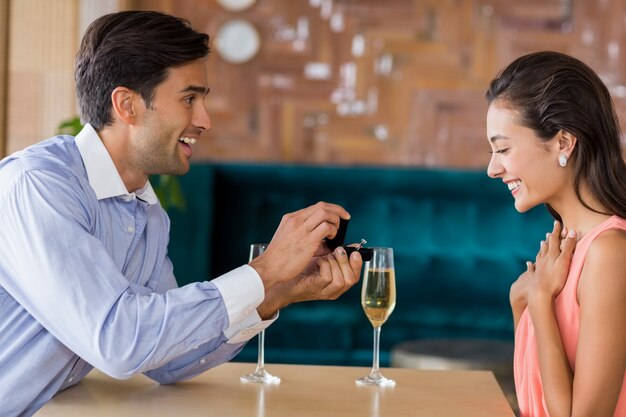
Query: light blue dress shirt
{"points": [[85, 281]]}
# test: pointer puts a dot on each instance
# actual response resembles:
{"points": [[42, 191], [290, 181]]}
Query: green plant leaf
{"points": [[169, 192], [70, 126]]}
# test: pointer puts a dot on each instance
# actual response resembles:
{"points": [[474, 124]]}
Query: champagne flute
{"points": [[260, 375], [378, 298]]}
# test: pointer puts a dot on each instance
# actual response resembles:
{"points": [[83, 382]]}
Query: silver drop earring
{"points": [[563, 160]]}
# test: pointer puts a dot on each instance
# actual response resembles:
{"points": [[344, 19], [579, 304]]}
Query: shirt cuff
{"points": [[247, 328], [242, 291]]}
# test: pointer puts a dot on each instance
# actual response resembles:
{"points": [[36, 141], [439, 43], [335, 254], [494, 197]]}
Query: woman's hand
{"points": [[548, 274]]}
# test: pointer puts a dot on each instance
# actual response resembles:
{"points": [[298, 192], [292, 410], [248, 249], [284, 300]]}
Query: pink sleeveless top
{"points": [[526, 362]]}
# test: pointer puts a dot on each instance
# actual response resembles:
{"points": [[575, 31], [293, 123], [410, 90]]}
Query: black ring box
{"points": [[338, 240], [366, 253]]}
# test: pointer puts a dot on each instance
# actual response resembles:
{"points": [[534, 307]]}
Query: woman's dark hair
{"points": [[552, 91], [133, 49]]}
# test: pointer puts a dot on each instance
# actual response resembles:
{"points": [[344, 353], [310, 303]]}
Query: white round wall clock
{"points": [[237, 41], [236, 5]]}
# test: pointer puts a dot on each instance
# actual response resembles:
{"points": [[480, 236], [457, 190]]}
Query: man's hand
{"points": [[325, 278], [298, 238]]}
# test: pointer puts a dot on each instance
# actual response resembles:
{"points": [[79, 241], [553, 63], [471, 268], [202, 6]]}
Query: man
{"points": [[85, 280]]}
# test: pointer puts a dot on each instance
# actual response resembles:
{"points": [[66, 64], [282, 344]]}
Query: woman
{"points": [[555, 139]]}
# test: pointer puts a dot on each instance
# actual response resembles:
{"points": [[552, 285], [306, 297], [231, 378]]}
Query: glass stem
{"points": [[375, 364], [261, 358]]}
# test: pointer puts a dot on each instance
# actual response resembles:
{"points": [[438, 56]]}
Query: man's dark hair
{"points": [[133, 49]]}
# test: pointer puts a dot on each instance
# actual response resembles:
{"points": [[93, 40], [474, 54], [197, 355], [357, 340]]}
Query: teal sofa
{"points": [[457, 239]]}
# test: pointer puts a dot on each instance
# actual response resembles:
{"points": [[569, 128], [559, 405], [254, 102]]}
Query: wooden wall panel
{"points": [[398, 82], [4, 66], [40, 71]]}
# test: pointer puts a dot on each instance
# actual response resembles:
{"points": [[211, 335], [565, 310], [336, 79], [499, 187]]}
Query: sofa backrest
{"points": [[458, 241]]}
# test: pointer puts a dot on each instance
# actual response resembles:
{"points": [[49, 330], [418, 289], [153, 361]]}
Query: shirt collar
{"points": [[101, 172]]}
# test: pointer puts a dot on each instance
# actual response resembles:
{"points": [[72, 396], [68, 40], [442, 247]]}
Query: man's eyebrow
{"points": [[497, 137], [196, 89]]}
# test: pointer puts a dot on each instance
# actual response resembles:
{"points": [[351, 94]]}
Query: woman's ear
{"points": [[567, 143], [123, 102]]}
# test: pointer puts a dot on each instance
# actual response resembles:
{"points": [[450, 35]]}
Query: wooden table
{"points": [[304, 391]]}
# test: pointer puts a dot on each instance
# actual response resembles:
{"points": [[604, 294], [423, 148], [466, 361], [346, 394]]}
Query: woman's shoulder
{"points": [[608, 237], [609, 244], [605, 261], [610, 240]]}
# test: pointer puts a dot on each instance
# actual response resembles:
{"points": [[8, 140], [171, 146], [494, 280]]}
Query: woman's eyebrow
{"points": [[495, 138]]}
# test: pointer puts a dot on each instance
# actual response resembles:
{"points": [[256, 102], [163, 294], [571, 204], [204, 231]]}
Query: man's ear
{"points": [[567, 143], [124, 103]]}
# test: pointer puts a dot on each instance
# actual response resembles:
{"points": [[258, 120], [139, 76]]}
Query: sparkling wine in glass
{"points": [[260, 375], [378, 298]]}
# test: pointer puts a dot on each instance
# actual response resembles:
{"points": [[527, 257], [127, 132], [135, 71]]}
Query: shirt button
{"points": [[202, 361], [70, 379], [130, 229]]}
